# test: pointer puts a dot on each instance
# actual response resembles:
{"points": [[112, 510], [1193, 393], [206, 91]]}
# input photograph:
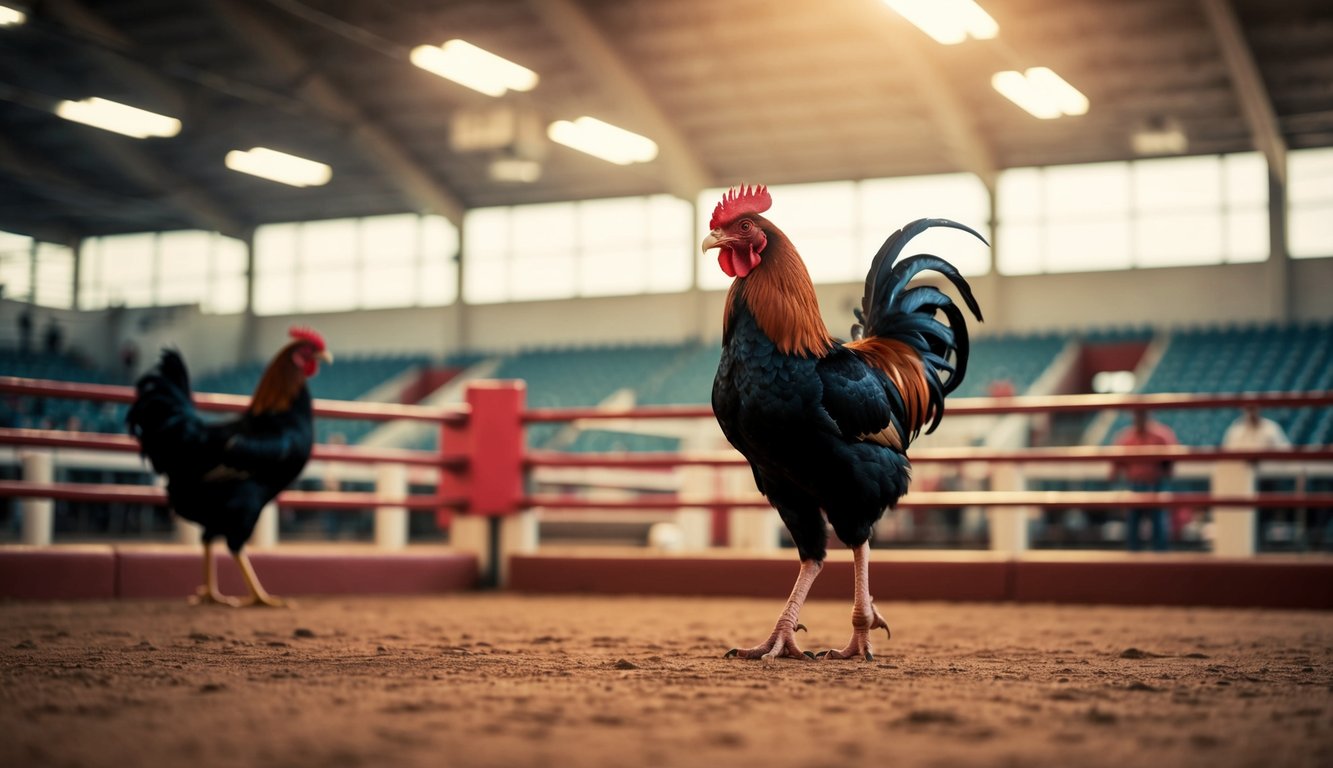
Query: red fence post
{"points": [[494, 525], [496, 432]]}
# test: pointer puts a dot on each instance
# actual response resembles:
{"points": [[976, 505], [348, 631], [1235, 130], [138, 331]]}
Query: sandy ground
{"points": [[506, 680]]}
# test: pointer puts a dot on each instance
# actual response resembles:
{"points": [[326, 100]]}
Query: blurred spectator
{"points": [[54, 337], [25, 331], [129, 359], [1251, 431], [1144, 477]]}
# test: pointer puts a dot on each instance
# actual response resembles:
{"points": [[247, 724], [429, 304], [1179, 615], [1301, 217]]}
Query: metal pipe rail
{"points": [[155, 496], [984, 406], [1179, 453], [337, 409], [950, 499]]}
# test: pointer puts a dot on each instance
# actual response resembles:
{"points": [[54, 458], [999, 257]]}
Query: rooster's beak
{"points": [[714, 239], [326, 356]]}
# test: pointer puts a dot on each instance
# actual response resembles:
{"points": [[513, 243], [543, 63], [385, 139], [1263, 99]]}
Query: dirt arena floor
{"points": [[505, 680]]}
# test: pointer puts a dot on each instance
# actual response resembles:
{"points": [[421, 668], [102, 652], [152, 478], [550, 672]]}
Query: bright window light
{"points": [[473, 67], [947, 21], [1041, 92], [603, 140], [11, 17], [280, 167], [119, 118]]}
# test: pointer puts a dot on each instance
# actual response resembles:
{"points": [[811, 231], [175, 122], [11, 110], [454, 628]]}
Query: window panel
{"points": [[392, 285], [128, 269], [544, 230], [227, 295], [1082, 246], [1178, 183], [389, 240], [437, 284], [328, 244], [1100, 188], [485, 278], [1247, 236], [1020, 195], [1178, 239], [1310, 218], [1311, 232], [612, 273], [55, 276], [329, 290], [541, 278], [1246, 179], [1019, 249], [275, 294], [603, 223]]}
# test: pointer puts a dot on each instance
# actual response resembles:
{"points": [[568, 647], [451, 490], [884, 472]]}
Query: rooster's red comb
{"points": [[739, 200], [306, 333]]}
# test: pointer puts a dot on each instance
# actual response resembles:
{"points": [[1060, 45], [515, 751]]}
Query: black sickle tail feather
{"points": [[163, 417], [891, 310]]}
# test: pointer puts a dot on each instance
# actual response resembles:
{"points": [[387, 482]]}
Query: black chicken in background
{"points": [[222, 474]]}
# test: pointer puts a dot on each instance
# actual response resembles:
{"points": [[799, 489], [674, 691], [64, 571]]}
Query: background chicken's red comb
{"points": [[738, 200], [306, 333]]}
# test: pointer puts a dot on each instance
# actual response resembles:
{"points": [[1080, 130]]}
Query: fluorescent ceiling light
{"points": [[947, 21], [120, 118], [279, 166], [11, 17], [1041, 92], [473, 67], [599, 139]]}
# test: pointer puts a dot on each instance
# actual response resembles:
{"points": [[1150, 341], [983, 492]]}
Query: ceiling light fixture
{"points": [[11, 17], [947, 21], [473, 67], [119, 118], [599, 139], [1041, 92], [280, 167], [1160, 136]]}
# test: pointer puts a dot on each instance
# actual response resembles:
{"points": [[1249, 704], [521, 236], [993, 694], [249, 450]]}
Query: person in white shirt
{"points": [[1250, 431]]}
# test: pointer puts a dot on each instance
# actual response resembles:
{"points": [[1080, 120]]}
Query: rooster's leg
{"points": [[864, 616], [783, 640], [258, 596], [208, 592]]}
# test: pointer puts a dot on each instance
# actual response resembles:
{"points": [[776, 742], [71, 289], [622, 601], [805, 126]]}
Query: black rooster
{"points": [[221, 475], [824, 424]]}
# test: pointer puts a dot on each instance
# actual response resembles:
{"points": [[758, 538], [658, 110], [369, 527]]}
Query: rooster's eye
{"points": [[746, 226]]}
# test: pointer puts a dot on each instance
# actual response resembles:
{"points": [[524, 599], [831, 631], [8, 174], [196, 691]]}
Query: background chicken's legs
{"points": [[258, 596], [208, 592]]}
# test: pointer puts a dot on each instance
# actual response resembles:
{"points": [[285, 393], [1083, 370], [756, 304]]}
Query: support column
{"points": [[695, 524], [1234, 527], [38, 514], [1008, 525], [391, 522], [266, 530]]}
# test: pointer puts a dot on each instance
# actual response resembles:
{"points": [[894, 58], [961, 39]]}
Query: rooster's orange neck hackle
{"points": [[287, 372]]}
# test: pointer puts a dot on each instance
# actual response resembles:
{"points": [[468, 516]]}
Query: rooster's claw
{"points": [[732, 652]]}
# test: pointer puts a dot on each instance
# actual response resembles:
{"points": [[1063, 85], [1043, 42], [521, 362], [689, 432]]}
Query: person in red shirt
{"points": [[1144, 476]]}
